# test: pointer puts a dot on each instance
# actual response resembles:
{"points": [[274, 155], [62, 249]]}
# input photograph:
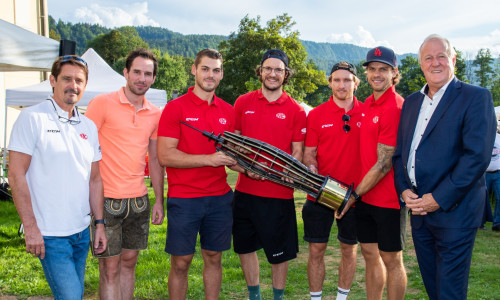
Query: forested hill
{"points": [[324, 55]]}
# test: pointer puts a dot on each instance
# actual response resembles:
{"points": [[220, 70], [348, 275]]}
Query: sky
{"points": [[398, 24]]}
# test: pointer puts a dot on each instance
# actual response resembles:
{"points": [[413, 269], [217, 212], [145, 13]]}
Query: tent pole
{"points": [[4, 145]]}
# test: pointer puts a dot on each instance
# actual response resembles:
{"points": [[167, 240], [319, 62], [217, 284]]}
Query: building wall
{"points": [[31, 15]]}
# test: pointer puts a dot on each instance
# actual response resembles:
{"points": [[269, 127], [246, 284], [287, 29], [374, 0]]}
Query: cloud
{"points": [[362, 38], [471, 45], [134, 14]]}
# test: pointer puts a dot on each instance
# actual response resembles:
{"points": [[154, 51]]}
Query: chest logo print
{"points": [[191, 119], [223, 121], [326, 125], [249, 112], [281, 116], [83, 136], [375, 120]]}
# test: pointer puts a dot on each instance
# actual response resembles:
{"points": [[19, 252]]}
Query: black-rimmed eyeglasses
{"points": [[66, 120], [80, 60], [346, 127]]}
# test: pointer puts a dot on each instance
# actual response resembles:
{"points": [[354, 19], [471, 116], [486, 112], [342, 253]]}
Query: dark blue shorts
{"points": [[210, 216], [318, 220]]}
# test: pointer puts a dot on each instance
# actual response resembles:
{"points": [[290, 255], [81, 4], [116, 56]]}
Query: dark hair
{"points": [[144, 53], [69, 60], [343, 65], [288, 74], [210, 53]]}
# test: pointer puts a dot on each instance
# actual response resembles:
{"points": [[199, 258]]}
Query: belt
{"points": [[492, 172]]}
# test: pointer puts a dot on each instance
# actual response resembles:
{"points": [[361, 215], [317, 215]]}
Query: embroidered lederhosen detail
{"points": [[139, 204]]}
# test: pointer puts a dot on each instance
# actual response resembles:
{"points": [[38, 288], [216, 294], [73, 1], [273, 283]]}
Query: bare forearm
{"points": [[310, 157], [96, 197], [157, 179], [22, 200], [378, 171]]}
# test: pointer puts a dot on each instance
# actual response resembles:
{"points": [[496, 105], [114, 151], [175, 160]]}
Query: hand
{"points": [[158, 213], [218, 159], [429, 204], [348, 205], [34, 241], [313, 169], [100, 240], [254, 176]]}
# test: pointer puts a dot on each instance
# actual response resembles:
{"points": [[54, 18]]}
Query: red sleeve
{"points": [[312, 132], [299, 129], [389, 123], [169, 125], [238, 108]]}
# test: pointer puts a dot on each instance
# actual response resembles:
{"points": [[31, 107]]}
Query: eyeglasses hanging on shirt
{"points": [[66, 120]]}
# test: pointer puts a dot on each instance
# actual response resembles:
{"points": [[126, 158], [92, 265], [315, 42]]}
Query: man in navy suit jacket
{"points": [[445, 138]]}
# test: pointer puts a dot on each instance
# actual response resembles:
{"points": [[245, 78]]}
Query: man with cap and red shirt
{"points": [[380, 220], [199, 198], [332, 148], [263, 211]]}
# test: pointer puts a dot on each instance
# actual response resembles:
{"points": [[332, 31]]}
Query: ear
{"points": [[193, 70], [125, 73], [52, 80]]}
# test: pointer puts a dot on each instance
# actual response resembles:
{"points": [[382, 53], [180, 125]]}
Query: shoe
{"points": [[496, 228]]}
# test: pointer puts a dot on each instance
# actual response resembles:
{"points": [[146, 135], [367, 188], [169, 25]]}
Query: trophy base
{"points": [[334, 194]]}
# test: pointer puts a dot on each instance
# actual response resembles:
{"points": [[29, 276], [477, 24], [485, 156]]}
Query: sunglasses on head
{"points": [[80, 60]]}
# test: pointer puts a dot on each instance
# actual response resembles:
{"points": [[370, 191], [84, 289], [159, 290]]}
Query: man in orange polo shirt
{"points": [[199, 198], [127, 123], [264, 211], [380, 219]]}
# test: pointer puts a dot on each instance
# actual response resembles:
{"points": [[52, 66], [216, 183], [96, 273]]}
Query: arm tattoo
{"points": [[384, 154]]}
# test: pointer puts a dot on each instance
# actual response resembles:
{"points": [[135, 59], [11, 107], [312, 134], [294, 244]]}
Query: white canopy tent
{"points": [[102, 79], [23, 50]]}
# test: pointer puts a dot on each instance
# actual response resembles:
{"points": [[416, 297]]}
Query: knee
{"points": [[212, 258], [109, 270], [316, 251], [180, 265], [349, 252]]}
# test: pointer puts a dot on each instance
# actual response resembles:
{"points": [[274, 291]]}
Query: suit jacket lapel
{"points": [[450, 94], [414, 110]]}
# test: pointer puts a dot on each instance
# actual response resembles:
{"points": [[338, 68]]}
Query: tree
{"points": [[171, 74], [412, 77], [243, 50], [364, 89], [484, 70], [495, 86], [117, 43], [461, 67]]}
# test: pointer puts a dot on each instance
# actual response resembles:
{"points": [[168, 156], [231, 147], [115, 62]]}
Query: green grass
{"points": [[22, 275]]}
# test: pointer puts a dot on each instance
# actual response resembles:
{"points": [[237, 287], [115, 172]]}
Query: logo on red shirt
{"points": [[375, 120], [223, 121], [249, 112], [83, 136], [191, 119], [281, 116], [378, 52], [303, 131]]}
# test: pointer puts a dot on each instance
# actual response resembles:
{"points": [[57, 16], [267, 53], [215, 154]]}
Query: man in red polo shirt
{"points": [[264, 212], [199, 198], [380, 220], [332, 148]]}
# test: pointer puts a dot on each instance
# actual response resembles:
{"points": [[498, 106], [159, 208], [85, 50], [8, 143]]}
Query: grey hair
{"points": [[450, 51]]}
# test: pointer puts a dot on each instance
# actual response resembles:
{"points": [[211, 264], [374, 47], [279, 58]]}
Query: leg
{"points": [[109, 278], [212, 273], [127, 273], [250, 267], [80, 253], [279, 272], [347, 265], [316, 266], [177, 278], [375, 273], [425, 250], [496, 190], [63, 273], [396, 274], [454, 248]]}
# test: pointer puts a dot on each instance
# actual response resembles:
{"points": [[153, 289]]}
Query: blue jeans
{"points": [[64, 264], [493, 184]]}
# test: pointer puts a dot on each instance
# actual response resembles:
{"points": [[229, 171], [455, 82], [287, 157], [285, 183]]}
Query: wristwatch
{"points": [[356, 196], [100, 221]]}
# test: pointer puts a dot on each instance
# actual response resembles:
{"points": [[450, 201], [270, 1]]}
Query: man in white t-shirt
{"points": [[55, 180]]}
